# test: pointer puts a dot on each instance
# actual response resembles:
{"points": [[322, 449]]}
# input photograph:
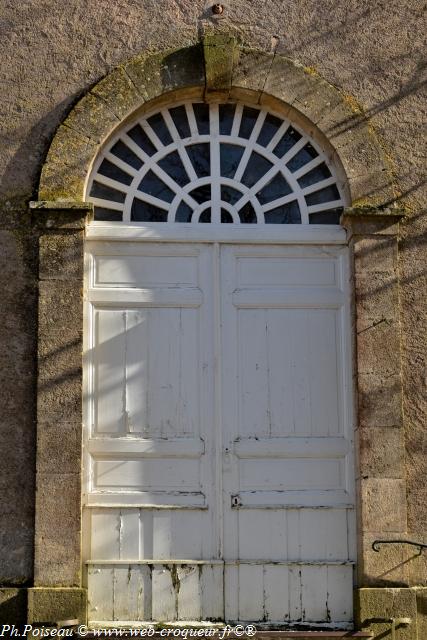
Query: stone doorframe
{"points": [[219, 68]]}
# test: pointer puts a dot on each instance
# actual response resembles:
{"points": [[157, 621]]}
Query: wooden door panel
{"points": [[288, 490], [150, 531]]}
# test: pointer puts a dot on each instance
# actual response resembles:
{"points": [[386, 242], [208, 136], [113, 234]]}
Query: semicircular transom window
{"points": [[215, 163]]}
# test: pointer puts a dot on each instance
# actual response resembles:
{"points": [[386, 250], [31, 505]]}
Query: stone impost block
{"points": [[92, 118], [379, 400], [375, 608], [58, 530], [52, 215], [119, 93], [60, 309], [371, 220], [59, 384], [220, 55], [158, 73], [370, 227], [383, 505], [381, 452], [13, 606], [53, 605], [61, 257]]}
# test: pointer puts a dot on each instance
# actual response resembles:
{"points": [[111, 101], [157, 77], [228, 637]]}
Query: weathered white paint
{"points": [[218, 433], [228, 234]]}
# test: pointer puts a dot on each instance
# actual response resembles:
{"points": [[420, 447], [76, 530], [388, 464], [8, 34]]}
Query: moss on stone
{"points": [[220, 55], [92, 117], [164, 71], [54, 604], [119, 93]]}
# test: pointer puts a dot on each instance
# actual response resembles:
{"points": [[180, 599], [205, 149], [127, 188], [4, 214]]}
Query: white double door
{"points": [[218, 466]]}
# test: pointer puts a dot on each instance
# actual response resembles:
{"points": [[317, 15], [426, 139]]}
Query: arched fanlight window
{"points": [[215, 163]]}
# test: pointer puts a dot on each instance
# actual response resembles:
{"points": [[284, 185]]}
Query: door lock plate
{"points": [[236, 501]]}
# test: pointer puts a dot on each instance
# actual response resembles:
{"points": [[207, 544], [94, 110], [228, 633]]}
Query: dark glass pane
{"points": [[286, 214], [276, 188], [287, 141], [124, 153], [303, 156], [110, 170], [315, 175], [255, 169], [106, 193], [179, 117], [328, 194], [228, 194], [139, 136], [331, 216], [230, 156], [247, 214], [144, 212], [201, 194], [249, 117], [152, 185], [101, 213], [226, 217], [159, 127], [172, 165], [226, 117], [269, 128], [199, 155], [206, 216], [183, 213], [201, 112]]}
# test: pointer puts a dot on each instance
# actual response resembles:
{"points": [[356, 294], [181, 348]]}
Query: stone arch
{"points": [[218, 68]]}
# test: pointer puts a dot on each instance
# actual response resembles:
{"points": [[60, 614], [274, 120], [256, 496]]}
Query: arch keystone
{"points": [[220, 54]]}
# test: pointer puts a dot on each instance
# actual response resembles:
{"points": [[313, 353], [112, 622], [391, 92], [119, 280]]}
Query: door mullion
{"points": [[229, 405]]}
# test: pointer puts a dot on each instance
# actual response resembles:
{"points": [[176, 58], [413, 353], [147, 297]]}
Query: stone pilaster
{"points": [[59, 394], [380, 476]]}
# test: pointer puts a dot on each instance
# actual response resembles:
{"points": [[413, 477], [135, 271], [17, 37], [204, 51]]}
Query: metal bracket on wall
{"points": [[376, 544]]}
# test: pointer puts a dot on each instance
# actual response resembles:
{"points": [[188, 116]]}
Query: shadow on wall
{"points": [[18, 187], [13, 607]]}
